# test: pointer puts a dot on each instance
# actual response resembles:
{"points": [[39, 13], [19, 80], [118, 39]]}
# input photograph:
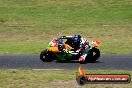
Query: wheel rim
{"points": [[95, 54], [45, 56]]}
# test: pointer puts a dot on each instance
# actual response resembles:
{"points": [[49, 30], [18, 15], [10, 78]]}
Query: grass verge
{"points": [[28, 78]]}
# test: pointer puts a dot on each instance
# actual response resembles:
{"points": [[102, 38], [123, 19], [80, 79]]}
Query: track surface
{"points": [[116, 62]]}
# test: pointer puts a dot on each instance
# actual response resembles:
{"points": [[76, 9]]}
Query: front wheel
{"points": [[46, 56], [93, 55]]}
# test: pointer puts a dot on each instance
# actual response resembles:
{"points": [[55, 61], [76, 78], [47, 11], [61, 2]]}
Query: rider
{"points": [[73, 41], [78, 45]]}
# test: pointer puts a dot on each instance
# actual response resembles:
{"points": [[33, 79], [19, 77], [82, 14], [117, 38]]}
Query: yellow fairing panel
{"points": [[68, 47], [53, 49]]}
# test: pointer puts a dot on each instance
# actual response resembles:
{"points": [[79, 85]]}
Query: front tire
{"points": [[93, 55], [46, 56]]}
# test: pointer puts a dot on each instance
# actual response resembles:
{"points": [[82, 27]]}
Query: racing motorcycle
{"points": [[67, 48]]}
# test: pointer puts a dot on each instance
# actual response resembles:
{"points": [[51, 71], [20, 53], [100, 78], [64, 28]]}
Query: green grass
{"points": [[26, 26], [31, 79], [21, 47], [28, 78]]}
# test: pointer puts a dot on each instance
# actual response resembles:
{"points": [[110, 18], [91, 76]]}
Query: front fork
{"points": [[84, 54]]}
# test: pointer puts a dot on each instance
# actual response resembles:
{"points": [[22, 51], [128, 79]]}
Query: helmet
{"points": [[76, 38], [79, 36]]}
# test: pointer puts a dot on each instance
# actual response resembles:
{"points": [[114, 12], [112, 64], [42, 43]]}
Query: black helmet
{"points": [[79, 36], [76, 38]]}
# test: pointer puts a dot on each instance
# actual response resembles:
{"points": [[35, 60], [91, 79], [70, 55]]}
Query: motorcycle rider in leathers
{"points": [[76, 43]]}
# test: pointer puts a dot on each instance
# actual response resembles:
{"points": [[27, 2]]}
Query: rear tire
{"points": [[93, 55], [46, 56]]}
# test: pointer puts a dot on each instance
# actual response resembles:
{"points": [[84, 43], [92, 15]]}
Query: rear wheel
{"points": [[93, 55], [46, 56]]}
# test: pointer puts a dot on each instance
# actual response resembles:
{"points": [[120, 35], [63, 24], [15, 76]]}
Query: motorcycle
{"points": [[65, 48]]}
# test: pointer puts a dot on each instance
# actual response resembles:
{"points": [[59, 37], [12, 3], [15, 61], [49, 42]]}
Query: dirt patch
{"points": [[73, 84], [61, 84]]}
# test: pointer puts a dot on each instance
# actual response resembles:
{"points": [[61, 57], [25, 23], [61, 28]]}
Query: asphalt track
{"points": [[115, 62]]}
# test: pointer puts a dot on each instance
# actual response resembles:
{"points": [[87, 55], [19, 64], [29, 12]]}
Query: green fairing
{"points": [[69, 54], [91, 44], [60, 56], [63, 56], [48, 46]]}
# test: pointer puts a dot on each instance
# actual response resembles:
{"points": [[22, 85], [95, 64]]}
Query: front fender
{"points": [[94, 43]]}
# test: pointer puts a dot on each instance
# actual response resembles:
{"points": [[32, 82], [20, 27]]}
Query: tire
{"points": [[81, 80], [46, 56], [93, 55]]}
